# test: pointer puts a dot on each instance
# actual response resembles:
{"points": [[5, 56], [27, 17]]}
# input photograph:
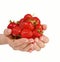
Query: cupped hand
{"points": [[22, 44], [40, 42]]}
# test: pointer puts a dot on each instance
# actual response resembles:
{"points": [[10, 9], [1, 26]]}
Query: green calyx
{"points": [[17, 22], [33, 22], [16, 37], [11, 21], [41, 32]]}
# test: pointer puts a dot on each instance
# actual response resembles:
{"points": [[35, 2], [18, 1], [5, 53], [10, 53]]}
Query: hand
{"points": [[40, 42], [22, 44]]}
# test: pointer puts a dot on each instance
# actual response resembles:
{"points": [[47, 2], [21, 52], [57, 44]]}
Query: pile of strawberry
{"points": [[27, 27]]}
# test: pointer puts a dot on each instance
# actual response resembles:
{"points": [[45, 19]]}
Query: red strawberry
{"points": [[39, 26], [37, 33], [16, 31], [35, 20], [12, 25], [33, 35], [21, 23], [27, 17], [26, 33], [28, 25]]}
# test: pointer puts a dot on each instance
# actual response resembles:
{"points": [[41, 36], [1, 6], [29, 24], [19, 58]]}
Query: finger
{"points": [[44, 39], [39, 42], [18, 48], [7, 32], [28, 47], [21, 47], [30, 50], [20, 42], [25, 45], [31, 40], [36, 47], [44, 26]]}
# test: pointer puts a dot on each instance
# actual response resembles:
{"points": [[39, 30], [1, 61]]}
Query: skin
{"points": [[23, 44]]}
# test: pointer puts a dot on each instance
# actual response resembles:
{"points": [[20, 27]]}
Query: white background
{"points": [[49, 13]]}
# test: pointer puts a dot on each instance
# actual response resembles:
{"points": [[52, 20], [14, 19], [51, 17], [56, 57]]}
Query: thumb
{"points": [[7, 32], [44, 26]]}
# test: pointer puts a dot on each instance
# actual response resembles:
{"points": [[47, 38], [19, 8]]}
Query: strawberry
{"points": [[21, 23], [16, 31], [37, 33], [12, 25], [26, 33], [28, 25], [27, 17], [35, 20], [39, 26]]}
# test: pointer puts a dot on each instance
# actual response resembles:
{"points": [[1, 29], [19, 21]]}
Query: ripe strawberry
{"points": [[27, 17], [21, 23], [39, 26], [33, 36], [28, 25], [16, 31], [37, 33], [26, 33], [35, 20], [12, 25]]}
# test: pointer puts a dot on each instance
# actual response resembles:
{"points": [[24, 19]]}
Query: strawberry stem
{"points": [[10, 21], [38, 30], [17, 22]]}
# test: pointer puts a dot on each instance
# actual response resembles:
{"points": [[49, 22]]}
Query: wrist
{"points": [[3, 39]]}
